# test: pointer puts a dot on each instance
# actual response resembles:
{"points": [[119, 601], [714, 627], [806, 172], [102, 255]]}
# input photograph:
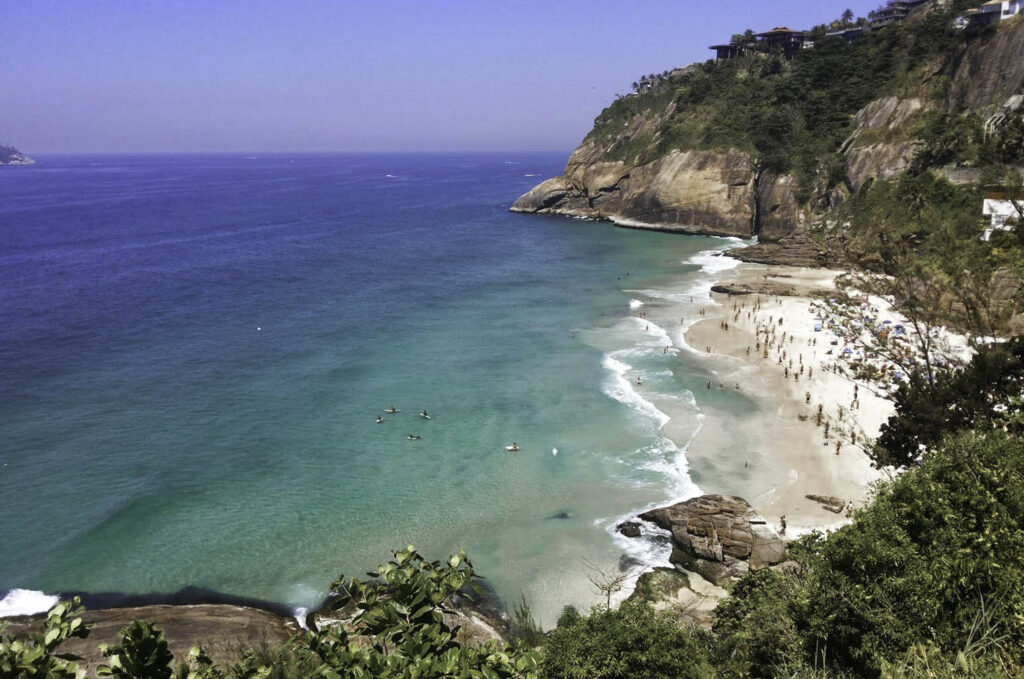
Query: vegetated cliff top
{"points": [[793, 116]]}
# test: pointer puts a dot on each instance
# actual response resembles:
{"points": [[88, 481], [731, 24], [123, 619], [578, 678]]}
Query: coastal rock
{"points": [[223, 631], [727, 289], [701, 192], [718, 536], [631, 529], [686, 596], [878, 161]]}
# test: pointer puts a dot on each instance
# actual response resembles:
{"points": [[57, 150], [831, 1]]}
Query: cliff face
{"points": [[703, 192], [635, 178]]}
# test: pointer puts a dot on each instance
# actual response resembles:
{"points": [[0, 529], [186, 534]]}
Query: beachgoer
{"points": [[782, 522]]}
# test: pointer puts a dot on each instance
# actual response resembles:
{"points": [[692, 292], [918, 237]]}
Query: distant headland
{"points": [[12, 156]]}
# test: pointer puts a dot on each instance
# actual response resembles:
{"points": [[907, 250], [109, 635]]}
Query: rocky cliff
{"points": [[642, 172]]}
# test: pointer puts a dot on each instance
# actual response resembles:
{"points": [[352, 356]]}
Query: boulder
{"points": [[719, 536], [631, 529]]}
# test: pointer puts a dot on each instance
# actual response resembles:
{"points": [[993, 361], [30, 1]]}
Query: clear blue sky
{"points": [[346, 75]]}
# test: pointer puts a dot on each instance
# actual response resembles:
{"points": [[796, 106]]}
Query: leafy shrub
{"points": [[631, 641]]}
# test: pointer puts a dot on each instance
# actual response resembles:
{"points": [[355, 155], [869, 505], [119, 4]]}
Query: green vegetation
{"points": [[37, 656], [629, 642]]}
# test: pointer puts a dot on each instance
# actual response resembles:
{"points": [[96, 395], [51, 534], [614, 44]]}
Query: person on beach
{"points": [[709, 384], [782, 522], [838, 444]]}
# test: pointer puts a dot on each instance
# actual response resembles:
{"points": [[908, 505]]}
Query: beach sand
{"points": [[787, 455]]}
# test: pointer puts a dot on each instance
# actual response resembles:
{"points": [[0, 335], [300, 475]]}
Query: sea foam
{"points": [[26, 602]]}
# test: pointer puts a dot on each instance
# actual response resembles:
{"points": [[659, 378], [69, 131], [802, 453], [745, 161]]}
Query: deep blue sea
{"points": [[194, 351]]}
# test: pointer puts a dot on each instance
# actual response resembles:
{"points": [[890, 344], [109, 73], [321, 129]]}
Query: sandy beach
{"points": [[810, 420]]}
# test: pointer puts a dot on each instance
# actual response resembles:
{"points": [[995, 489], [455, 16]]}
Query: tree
{"points": [[605, 581], [847, 18], [985, 394]]}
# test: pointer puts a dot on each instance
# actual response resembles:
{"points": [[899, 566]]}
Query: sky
{"points": [[347, 75]]}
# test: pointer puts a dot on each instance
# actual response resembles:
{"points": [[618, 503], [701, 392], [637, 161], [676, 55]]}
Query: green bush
{"points": [[629, 642], [938, 545]]}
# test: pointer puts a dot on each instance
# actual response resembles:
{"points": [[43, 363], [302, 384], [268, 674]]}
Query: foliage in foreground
{"points": [[618, 644], [396, 627]]}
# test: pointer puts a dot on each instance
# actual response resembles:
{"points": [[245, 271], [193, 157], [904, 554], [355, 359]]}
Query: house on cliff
{"points": [[779, 40], [1004, 207], [990, 13]]}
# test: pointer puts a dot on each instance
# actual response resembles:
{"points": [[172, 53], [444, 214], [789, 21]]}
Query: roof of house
{"points": [[1004, 194], [780, 30]]}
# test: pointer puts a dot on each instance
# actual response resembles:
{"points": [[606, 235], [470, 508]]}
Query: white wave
{"points": [[653, 330], [530, 175], [300, 614], [26, 602], [622, 391], [635, 304], [713, 261]]}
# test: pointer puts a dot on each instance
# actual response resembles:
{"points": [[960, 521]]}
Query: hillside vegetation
{"points": [[793, 116]]}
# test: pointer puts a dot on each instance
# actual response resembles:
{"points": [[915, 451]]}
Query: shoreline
{"points": [[792, 390], [779, 454]]}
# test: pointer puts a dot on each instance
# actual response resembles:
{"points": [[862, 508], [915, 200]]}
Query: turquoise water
{"points": [[196, 349]]}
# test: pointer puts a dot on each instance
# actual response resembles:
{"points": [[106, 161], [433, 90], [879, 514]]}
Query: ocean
{"points": [[196, 349]]}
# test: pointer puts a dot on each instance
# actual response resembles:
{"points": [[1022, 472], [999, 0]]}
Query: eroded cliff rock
{"points": [[703, 192], [719, 536]]}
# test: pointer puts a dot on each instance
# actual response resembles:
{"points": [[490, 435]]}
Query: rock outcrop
{"points": [[700, 192], [222, 630], [990, 71], [628, 172], [719, 536]]}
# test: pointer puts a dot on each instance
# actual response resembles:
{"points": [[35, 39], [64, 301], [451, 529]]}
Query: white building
{"points": [[1004, 208], [989, 12]]}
